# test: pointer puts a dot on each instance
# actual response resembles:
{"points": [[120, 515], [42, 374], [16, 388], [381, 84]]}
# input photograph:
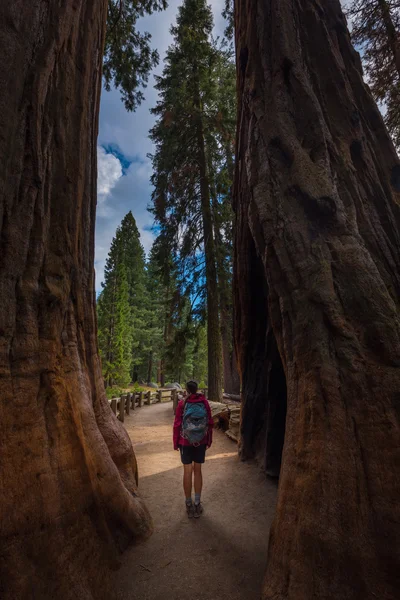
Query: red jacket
{"points": [[178, 439]]}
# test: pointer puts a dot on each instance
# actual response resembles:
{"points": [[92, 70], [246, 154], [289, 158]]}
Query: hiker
{"points": [[192, 436]]}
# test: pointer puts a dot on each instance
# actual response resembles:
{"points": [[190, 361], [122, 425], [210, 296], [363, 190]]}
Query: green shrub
{"points": [[114, 392], [137, 388]]}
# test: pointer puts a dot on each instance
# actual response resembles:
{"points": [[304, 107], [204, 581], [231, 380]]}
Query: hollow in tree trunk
{"points": [[68, 493], [317, 281]]}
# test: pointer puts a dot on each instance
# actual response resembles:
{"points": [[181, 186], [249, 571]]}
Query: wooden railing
{"points": [[124, 404]]}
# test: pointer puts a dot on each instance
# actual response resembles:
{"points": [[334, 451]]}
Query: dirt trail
{"points": [[220, 556]]}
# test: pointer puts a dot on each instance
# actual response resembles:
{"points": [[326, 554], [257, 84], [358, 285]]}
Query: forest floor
{"points": [[220, 556]]}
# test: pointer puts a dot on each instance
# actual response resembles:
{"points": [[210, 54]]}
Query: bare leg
{"points": [[187, 480], [198, 478]]}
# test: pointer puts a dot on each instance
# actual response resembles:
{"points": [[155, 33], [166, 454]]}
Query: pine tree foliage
{"points": [[199, 363], [229, 16], [178, 349], [376, 31], [172, 316], [128, 57], [132, 254], [114, 326], [152, 350], [121, 318]]}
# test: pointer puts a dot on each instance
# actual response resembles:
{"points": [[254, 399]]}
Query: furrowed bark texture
{"points": [[317, 272], [68, 487]]}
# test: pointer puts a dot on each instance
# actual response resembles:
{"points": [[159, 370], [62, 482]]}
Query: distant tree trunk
{"points": [[162, 374], [213, 328], [213, 325], [150, 367], [166, 333], [230, 371], [317, 277], [68, 489], [231, 374], [226, 353]]}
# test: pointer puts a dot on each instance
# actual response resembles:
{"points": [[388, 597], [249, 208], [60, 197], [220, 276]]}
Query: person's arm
{"points": [[210, 425], [177, 425]]}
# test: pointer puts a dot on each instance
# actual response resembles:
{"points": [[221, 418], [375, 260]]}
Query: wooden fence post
{"points": [[133, 401], [114, 405], [159, 395], [121, 412], [140, 399], [128, 403], [148, 401]]}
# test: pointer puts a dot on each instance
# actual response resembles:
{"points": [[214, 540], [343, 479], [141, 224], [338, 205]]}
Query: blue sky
{"points": [[123, 168]]}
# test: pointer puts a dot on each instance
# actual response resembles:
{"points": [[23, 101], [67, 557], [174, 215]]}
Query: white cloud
{"points": [[109, 171]]}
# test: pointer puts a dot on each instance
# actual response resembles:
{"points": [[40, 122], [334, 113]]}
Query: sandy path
{"points": [[220, 556]]}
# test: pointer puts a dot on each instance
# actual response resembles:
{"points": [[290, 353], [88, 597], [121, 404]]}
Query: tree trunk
{"points": [[162, 373], [68, 491], [166, 333], [213, 329], [213, 326], [159, 373], [317, 273], [150, 367], [231, 374]]}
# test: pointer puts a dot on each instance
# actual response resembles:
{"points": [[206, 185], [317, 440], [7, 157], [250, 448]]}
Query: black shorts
{"points": [[190, 454]]}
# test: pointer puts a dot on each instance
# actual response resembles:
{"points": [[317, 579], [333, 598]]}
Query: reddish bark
{"points": [[317, 271], [68, 496]]}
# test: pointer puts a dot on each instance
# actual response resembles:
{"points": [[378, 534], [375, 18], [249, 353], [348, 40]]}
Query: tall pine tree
{"points": [[120, 305], [188, 136], [114, 325]]}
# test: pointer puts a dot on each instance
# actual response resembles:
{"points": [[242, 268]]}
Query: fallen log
{"points": [[234, 397], [220, 414]]}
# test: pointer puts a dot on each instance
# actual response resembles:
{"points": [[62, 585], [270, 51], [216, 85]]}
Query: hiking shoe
{"points": [[198, 509], [190, 510]]}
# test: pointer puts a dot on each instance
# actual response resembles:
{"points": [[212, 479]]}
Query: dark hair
{"points": [[192, 387]]}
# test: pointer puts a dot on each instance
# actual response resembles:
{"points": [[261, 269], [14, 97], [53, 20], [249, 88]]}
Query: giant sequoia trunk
{"points": [[317, 274], [68, 492]]}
